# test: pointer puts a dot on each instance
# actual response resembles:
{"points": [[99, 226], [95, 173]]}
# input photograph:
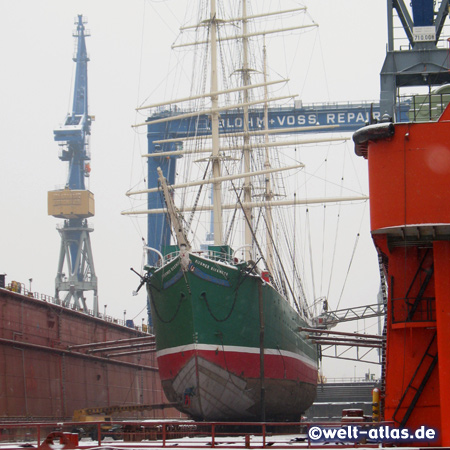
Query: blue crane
{"points": [[74, 203], [425, 61], [77, 125]]}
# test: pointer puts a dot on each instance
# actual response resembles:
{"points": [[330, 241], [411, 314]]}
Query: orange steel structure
{"points": [[409, 183]]}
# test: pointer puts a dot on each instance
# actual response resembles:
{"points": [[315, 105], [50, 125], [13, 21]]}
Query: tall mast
{"points": [[217, 190], [268, 188], [248, 236]]}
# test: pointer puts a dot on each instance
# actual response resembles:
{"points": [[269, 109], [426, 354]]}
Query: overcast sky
{"points": [[129, 54]]}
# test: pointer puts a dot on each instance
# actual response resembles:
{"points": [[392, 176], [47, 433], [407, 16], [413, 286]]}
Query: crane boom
{"points": [[77, 125]]}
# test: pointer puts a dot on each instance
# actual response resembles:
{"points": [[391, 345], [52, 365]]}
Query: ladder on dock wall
{"points": [[416, 384], [384, 296]]}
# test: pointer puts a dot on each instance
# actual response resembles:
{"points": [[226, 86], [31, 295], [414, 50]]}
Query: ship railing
{"points": [[368, 378], [167, 258], [216, 256], [425, 107], [159, 433], [47, 298]]}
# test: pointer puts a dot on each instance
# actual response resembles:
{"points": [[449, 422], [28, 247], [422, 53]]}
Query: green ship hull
{"points": [[228, 344]]}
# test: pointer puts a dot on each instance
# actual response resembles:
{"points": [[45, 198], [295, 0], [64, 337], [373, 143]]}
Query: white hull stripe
{"points": [[231, 348]]}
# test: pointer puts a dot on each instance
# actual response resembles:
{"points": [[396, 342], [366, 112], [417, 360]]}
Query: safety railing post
{"points": [[164, 434], [213, 431]]}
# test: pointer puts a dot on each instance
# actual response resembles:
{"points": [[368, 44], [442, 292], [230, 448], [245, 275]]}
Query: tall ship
{"points": [[226, 298]]}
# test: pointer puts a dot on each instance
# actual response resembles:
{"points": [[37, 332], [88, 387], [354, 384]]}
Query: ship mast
{"points": [[268, 187], [248, 235], [217, 189], [214, 113]]}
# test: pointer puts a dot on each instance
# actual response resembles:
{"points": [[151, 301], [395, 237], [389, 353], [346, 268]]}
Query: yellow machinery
{"points": [[103, 414], [71, 204]]}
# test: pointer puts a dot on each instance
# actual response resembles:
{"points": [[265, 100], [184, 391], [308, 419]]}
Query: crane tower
{"points": [[74, 203]]}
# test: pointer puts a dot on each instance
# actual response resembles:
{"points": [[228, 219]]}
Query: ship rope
{"points": [[297, 306], [232, 221], [305, 308], [198, 143], [324, 223], [353, 254], [311, 259], [282, 359], [182, 297], [197, 199], [348, 269], [239, 202], [203, 295], [226, 364], [337, 231]]}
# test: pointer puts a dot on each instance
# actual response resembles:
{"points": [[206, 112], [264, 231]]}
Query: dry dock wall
{"points": [[42, 378]]}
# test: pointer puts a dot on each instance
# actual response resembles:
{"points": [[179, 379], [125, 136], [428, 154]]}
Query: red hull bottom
{"points": [[217, 385]]}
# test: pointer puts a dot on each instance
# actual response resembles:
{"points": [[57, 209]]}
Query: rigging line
{"points": [[310, 61], [275, 277], [334, 251], [140, 312], [232, 221], [229, 372], [282, 359], [352, 162], [311, 262], [197, 198], [222, 49], [354, 249], [322, 270], [168, 72], [337, 231], [331, 183], [324, 224], [297, 276], [162, 17], [255, 240], [318, 38], [294, 269], [141, 53], [204, 72], [348, 269], [286, 279]]}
